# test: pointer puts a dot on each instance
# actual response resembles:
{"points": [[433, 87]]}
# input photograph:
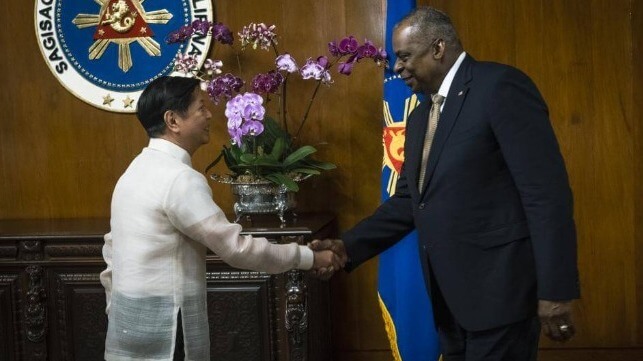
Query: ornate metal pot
{"points": [[259, 197]]}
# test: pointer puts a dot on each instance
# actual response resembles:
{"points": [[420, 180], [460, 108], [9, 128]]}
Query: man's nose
{"points": [[397, 67]]}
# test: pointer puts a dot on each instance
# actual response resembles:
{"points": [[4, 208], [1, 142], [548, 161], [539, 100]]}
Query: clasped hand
{"points": [[330, 257], [556, 319]]}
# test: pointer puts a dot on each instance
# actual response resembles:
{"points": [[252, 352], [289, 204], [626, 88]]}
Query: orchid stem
{"points": [[310, 104], [282, 101], [254, 151], [282, 96], [274, 47], [236, 55]]}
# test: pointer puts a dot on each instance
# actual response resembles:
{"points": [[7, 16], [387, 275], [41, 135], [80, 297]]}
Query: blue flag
{"points": [[403, 297]]}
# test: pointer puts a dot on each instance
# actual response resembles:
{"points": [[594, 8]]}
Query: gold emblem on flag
{"points": [[393, 137]]}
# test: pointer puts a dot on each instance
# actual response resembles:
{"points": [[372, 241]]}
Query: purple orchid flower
{"points": [[286, 63], [348, 45], [367, 50], [333, 49], [252, 128], [180, 36], [201, 27], [267, 83], [235, 135], [311, 69], [253, 112], [244, 112], [224, 87], [252, 98], [259, 35], [345, 68], [380, 57], [222, 34], [323, 62]]}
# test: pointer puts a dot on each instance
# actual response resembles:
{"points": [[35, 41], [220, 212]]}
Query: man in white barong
{"points": [[163, 220]]}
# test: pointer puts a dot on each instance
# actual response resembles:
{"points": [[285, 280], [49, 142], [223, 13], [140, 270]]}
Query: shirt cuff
{"points": [[306, 258]]}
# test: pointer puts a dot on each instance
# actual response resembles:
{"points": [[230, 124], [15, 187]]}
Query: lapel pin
{"points": [[460, 93]]}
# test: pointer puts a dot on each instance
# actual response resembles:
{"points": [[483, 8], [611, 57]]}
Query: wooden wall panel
{"points": [[637, 127]]}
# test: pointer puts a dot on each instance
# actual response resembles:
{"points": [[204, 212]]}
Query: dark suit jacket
{"points": [[495, 222]]}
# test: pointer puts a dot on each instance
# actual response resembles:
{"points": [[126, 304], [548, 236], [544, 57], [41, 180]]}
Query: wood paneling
{"points": [[60, 157], [637, 127]]}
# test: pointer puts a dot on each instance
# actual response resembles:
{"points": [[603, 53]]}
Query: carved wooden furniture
{"points": [[52, 303]]}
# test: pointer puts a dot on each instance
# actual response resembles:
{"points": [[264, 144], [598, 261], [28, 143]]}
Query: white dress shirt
{"points": [[163, 220], [448, 79]]}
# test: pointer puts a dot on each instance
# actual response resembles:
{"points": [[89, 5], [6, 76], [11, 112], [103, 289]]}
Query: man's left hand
{"points": [[556, 319]]}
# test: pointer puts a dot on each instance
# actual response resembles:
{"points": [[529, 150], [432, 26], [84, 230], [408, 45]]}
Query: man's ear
{"points": [[439, 48], [171, 123]]}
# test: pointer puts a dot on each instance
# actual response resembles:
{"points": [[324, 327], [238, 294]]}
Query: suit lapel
{"points": [[449, 116]]}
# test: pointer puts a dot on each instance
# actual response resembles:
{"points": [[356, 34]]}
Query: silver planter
{"points": [[259, 197]]}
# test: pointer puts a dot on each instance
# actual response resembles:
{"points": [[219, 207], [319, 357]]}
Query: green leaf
{"points": [[273, 129], [271, 134], [299, 154], [279, 178], [278, 149], [270, 155], [306, 171], [319, 165], [266, 161], [229, 158], [247, 158], [233, 154]]}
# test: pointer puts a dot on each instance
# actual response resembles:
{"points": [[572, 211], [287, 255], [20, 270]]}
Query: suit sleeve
{"points": [[391, 222], [522, 128]]}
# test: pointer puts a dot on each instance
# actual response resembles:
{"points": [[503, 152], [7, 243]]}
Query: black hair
{"points": [[163, 94]]}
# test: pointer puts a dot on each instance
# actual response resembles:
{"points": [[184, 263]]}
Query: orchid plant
{"points": [[260, 146]]}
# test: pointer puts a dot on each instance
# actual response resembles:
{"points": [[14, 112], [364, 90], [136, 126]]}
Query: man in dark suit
{"points": [[490, 200]]}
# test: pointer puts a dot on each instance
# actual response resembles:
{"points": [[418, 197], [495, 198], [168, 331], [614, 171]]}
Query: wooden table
{"points": [[52, 303]]}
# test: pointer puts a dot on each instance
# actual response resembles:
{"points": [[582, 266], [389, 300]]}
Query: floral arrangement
{"points": [[262, 147]]}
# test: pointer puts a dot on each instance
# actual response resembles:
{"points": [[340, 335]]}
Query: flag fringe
{"points": [[390, 329]]}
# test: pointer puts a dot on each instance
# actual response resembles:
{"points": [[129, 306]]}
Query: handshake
{"points": [[330, 257]]}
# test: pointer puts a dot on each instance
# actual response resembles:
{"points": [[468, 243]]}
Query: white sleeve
{"points": [[190, 208], [106, 275]]}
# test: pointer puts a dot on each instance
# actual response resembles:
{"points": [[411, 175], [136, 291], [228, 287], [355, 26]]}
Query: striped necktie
{"points": [[434, 115]]}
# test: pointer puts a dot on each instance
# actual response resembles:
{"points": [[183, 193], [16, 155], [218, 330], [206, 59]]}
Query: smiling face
{"points": [[193, 126], [420, 61]]}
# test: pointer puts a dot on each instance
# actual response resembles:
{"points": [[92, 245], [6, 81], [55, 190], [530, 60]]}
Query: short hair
{"points": [[432, 23], [163, 94]]}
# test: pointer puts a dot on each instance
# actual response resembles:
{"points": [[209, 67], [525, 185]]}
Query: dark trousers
{"points": [[179, 352], [514, 342]]}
